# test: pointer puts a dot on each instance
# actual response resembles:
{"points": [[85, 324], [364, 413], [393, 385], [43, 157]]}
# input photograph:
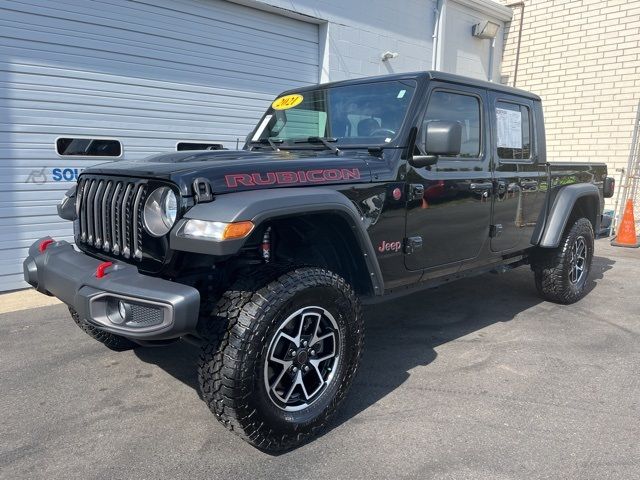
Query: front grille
{"points": [[110, 215]]}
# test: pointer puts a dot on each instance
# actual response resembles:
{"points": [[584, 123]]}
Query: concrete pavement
{"points": [[478, 379]]}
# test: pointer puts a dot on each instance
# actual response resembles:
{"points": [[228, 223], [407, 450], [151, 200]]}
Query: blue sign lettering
{"points": [[65, 174]]}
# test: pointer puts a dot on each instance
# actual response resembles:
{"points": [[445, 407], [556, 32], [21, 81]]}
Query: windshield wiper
{"points": [[324, 141], [265, 141]]}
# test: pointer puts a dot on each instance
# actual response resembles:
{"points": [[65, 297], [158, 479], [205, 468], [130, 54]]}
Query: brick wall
{"points": [[583, 58]]}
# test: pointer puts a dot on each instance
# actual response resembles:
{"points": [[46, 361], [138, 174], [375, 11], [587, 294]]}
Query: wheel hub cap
{"points": [[302, 358]]}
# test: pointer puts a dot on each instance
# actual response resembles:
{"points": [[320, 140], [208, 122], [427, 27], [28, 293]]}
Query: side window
{"points": [[458, 107], [513, 131], [88, 147]]}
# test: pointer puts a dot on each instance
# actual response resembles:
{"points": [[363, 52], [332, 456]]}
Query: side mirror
{"points": [[438, 138], [609, 187]]}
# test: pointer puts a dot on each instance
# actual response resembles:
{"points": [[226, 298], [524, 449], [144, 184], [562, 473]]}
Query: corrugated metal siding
{"points": [[147, 73]]}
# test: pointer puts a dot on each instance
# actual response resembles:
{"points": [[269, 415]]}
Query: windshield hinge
{"points": [[202, 190]]}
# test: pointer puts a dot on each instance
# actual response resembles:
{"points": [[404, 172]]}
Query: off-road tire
{"points": [[247, 317], [109, 340], [552, 267]]}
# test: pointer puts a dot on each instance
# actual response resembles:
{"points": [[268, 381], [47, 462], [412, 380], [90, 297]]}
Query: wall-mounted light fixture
{"points": [[389, 55], [486, 30]]}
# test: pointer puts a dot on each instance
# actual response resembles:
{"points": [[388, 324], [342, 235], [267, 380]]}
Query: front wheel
{"points": [[561, 274], [286, 359]]}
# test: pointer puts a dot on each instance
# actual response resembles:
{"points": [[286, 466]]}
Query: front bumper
{"points": [[123, 302]]}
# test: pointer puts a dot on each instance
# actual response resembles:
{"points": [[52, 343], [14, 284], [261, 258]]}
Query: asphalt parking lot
{"points": [[474, 380]]}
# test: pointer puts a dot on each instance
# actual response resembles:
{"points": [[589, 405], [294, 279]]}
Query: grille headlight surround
{"points": [[160, 211]]}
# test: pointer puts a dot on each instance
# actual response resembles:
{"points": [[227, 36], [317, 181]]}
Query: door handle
{"points": [[480, 186], [416, 192]]}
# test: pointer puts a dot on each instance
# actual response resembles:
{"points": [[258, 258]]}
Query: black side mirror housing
{"points": [[440, 138], [609, 187], [67, 207], [443, 138]]}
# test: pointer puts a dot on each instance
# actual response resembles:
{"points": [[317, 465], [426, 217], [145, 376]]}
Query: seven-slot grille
{"points": [[110, 215]]}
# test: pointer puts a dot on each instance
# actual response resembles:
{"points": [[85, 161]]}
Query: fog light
{"points": [[118, 311]]}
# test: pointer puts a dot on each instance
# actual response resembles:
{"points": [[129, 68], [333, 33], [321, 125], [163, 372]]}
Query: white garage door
{"points": [[145, 74]]}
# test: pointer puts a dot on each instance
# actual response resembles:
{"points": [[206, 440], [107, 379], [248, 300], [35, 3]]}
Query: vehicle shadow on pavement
{"points": [[403, 333]]}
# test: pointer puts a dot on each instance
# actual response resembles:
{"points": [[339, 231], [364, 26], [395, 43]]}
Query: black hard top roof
{"points": [[433, 75]]}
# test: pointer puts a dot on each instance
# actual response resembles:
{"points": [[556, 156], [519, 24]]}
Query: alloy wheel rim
{"points": [[578, 260], [302, 358]]}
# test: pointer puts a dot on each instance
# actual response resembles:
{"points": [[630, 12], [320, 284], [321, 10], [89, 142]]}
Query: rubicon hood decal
{"points": [[328, 175]]}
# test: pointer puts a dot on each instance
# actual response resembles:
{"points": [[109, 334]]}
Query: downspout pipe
{"points": [[437, 27], [515, 67], [492, 52]]}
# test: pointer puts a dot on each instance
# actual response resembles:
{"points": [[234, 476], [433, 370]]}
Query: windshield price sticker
{"points": [[286, 102]]}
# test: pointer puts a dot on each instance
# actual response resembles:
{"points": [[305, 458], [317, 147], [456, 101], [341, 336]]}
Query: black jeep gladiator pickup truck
{"points": [[344, 193]]}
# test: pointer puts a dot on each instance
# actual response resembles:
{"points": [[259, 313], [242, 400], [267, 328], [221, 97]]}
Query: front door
{"points": [[449, 204], [518, 176]]}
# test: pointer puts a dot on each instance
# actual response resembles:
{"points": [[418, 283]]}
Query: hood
{"points": [[237, 170]]}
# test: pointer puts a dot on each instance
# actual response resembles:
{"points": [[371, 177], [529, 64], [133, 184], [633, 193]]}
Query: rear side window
{"points": [[461, 108], [513, 131], [88, 147]]}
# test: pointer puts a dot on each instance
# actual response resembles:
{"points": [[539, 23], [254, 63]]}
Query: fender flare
{"points": [[259, 206], [554, 221]]}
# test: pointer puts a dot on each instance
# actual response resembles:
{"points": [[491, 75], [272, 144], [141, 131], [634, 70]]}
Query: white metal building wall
{"points": [[148, 73]]}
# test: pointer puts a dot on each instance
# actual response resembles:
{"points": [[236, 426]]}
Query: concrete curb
{"points": [[25, 300]]}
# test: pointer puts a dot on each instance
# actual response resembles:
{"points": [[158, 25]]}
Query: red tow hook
{"points": [[44, 244], [101, 268]]}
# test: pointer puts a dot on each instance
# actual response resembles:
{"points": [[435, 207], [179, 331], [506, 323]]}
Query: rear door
{"points": [[517, 175]]}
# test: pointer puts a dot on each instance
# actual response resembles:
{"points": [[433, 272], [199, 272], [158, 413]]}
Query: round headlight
{"points": [[170, 207], [160, 211]]}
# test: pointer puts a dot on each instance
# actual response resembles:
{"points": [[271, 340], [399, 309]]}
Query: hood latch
{"points": [[202, 190]]}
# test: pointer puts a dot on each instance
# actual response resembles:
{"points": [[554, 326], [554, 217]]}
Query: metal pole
{"points": [[614, 220], [515, 68], [632, 165]]}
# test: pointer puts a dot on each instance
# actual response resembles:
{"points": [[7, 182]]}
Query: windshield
{"points": [[362, 114]]}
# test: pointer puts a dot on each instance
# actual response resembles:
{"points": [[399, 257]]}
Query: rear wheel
{"points": [[289, 352], [561, 274], [109, 340]]}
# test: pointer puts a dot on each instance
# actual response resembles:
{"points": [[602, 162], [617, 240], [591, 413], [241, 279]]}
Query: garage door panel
{"points": [[168, 16], [224, 77], [19, 248], [42, 102], [11, 282], [149, 74], [197, 38], [79, 92], [200, 35], [235, 17], [13, 198], [42, 119], [164, 90], [152, 53], [49, 107]]}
